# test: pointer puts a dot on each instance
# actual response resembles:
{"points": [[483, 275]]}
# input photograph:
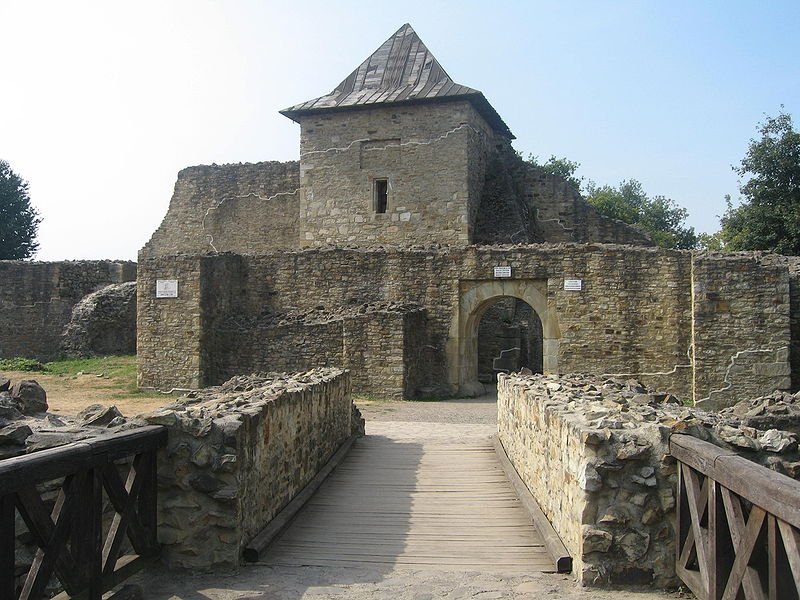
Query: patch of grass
{"points": [[21, 364], [120, 371]]}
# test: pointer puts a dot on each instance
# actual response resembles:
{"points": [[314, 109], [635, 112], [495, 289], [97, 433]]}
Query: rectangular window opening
{"points": [[381, 195]]}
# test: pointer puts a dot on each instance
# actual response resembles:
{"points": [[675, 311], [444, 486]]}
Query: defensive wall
{"points": [[595, 454], [37, 298], [262, 207], [707, 327], [235, 456]]}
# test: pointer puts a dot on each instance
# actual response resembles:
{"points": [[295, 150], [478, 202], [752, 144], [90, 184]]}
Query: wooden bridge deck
{"points": [[416, 504]]}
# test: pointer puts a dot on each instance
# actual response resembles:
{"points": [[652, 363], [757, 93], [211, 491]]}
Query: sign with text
{"points": [[502, 272], [573, 285], [166, 288]]}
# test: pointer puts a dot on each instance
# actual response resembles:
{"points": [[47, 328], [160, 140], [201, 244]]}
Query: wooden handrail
{"points": [[776, 493], [69, 535], [737, 525]]}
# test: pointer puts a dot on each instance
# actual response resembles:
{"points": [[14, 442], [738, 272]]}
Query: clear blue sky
{"points": [[103, 103]]}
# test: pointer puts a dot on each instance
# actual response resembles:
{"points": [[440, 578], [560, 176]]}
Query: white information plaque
{"points": [[502, 271], [166, 288], [573, 285]]}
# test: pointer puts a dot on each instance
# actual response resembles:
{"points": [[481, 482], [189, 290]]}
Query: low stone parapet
{"points": [[594, 453], [238, 453]]}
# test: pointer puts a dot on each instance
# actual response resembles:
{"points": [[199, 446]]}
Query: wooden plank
{"points": [[7, 539], [262, 541], [556, 548], [772, 491], [425, 506]]}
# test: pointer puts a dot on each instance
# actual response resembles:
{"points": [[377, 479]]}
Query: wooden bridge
{"points": [[399, 499], [424, 505]]}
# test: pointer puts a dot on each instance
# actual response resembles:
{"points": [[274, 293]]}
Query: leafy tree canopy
{"points": [[768, 217], [661, 217], [19, 221]]}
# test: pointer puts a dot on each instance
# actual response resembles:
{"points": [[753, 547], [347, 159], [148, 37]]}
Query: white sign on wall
{"points": [[502, 271], [166, 288], [573, 285]]}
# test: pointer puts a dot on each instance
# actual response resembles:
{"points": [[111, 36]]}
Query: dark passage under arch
{"points": [[509, 338]]}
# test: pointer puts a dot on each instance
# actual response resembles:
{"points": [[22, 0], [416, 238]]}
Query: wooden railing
{"points": [[737, 525], [68, 529]]}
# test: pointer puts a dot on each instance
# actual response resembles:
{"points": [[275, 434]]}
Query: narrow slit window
{"points": [[381, 193]]}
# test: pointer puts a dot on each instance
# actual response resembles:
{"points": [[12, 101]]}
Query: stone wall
{"points": [[562, 215], [37, 298], [373, 342], [243, 208], [595, 454], [343, 153], [103, 323], [238, 454], [742, 333], [633, 315]]}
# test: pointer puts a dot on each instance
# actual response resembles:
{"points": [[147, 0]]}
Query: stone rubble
{"points": [[595, 454]]}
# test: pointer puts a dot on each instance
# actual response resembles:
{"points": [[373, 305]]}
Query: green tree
{"points": [[563, 167], [661, 217], [19, 221], [768, 217]]}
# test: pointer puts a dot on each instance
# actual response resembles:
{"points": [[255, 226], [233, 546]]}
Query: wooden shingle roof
{"points": [[401, 70]]}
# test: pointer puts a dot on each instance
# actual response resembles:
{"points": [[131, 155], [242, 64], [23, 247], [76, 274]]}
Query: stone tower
{"points": [[396, 154]]}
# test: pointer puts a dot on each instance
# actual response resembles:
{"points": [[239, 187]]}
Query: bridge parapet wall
{"points": [[595, 455], [237, 454]]}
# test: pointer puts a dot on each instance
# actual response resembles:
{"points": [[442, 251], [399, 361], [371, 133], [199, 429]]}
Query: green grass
{"points": [[119, 370], [20, 364]]}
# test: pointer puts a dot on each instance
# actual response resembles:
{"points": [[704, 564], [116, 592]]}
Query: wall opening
{"points": [[509, 338], [380, 195]]}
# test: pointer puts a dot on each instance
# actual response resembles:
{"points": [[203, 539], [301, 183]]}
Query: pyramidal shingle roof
{"points": [[401, 70]]}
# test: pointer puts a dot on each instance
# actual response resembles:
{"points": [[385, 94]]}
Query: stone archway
{"points": [[475, 297]]}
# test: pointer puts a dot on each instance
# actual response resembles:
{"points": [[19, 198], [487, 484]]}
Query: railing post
{"points": [[7, 542], [720, 549], [94, 568], [148, 502]]}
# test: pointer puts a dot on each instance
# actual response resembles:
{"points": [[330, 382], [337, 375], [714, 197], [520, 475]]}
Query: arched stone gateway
{"points": [[475, 298]]}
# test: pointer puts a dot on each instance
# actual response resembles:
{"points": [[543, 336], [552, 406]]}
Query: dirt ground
{"points": [[69, 394]]}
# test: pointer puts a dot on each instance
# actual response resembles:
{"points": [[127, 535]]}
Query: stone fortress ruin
{"points": [[410, 253], [408, 222]]}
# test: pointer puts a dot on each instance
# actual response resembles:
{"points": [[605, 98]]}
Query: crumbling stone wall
{"points": [[37, 298], [237, 454], [103, 323], [633, 316], [377, 343], [595, 454], [244, 208], [520, 203]]}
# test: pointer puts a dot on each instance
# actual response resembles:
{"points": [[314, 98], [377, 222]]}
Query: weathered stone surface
{"points": [[8, 408], [29, 397], [36, 300], [97, 415], [237, 453], [5, 383], [16, 433], [599, 464], [103, 323], [221, 320]]}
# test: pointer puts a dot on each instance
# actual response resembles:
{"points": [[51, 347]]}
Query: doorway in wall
{"points": [[509, 338]]}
